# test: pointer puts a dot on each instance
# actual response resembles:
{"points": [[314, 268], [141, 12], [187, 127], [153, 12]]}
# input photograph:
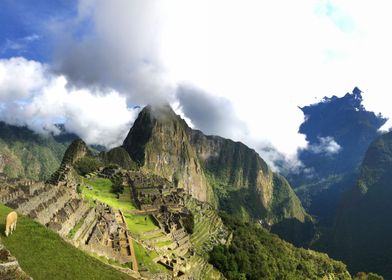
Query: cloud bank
{"points": [[31, 96]]}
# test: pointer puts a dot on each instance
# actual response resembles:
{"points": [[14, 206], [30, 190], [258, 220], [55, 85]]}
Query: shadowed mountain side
{"points": [[339, 131], [362, 232]]}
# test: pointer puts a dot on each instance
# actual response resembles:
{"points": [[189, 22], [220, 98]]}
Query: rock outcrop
{"points": [[159, 142]]}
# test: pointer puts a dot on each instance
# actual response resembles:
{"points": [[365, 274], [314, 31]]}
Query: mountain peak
{"points": [[159, 142]]}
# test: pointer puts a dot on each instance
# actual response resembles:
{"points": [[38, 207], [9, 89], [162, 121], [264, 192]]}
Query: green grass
{"points": [[44, 255], [102, 191], [138, 224], [145, 259], [161, 244], [71, 234]]}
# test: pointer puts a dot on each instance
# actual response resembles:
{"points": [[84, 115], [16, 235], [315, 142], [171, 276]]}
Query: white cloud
{"points": [[99, 117], [327, 145], [20, 78]]}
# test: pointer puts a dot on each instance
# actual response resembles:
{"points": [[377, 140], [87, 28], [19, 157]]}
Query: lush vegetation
{"points": [[44, 255], [26, 154], [117, 185], [256, 254], [87, 165], [120, 157]]}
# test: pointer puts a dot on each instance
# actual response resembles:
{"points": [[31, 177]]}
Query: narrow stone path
{"points": [[135, 266]]}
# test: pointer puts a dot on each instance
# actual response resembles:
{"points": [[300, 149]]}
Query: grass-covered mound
{"points": [[44, 255], [256, 254]]}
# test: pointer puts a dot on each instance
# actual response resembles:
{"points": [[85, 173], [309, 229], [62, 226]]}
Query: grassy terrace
{"points": [[102, 191], [43, 254], [145, 259], [137, 224]]}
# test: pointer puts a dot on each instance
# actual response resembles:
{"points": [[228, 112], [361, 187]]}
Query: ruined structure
{"points": [[56, 204], [9, 266]]}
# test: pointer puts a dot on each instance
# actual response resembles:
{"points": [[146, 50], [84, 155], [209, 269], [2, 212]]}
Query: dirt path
{"points": [[135, 266]]}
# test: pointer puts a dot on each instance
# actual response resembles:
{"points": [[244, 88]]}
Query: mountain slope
{"points": [[210, 168], [362, 231], [26, 154], [238, 172], [256, 254]]}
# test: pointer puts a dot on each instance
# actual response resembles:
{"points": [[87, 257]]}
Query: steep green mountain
{"points": [[26, 154], [362, 233], [339, 131], [242, 182], [211, 168], [256, 254]]}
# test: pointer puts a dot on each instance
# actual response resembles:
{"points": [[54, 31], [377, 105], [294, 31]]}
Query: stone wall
{"points": [[9, 266]]}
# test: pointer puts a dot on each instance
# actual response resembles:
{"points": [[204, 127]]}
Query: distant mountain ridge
{"points": [[339, 131], [26, 154]]}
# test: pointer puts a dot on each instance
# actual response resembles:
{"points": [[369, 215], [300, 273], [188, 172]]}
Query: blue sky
{"points": [[24, 26]]}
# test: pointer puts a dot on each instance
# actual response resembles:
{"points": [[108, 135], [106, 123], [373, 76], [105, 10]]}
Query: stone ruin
{"points": [[9, 266], [57, 205], [102, 230], [151, 192], [109, 236]]}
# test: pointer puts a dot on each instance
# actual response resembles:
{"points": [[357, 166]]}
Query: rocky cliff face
{"points": [[159, 142], [236, 167], [210, 168]]}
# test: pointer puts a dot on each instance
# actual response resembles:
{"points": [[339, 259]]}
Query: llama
{"points": [[10, 223]]}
